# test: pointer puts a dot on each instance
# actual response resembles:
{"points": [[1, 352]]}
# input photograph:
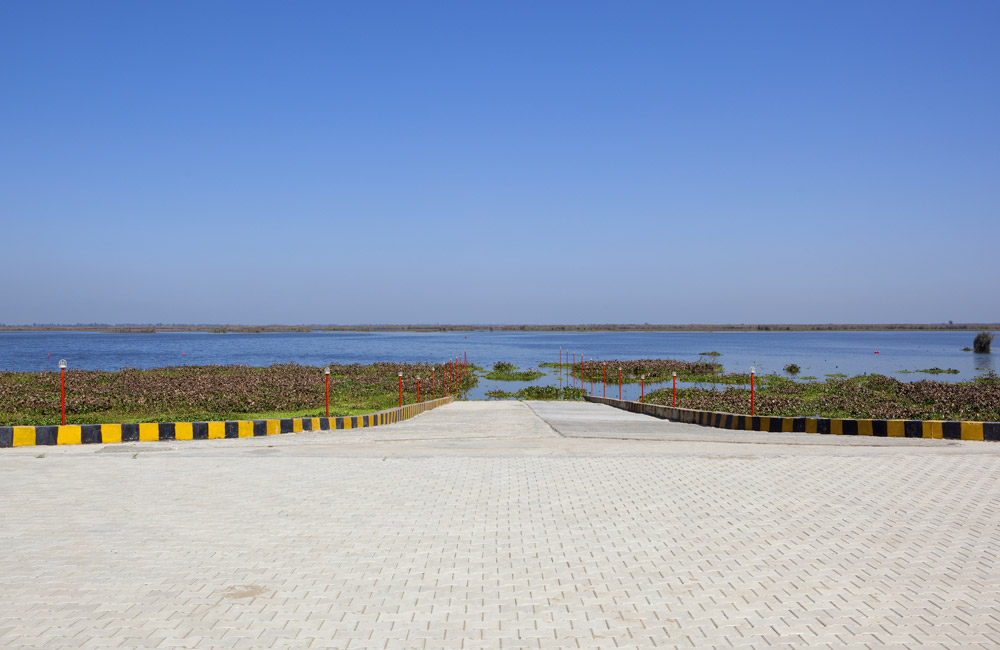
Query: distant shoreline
{"points": [[624, 327]]}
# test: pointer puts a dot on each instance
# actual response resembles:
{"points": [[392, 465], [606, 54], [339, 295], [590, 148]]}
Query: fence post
{"points": [[62, 388], [326, 371]]}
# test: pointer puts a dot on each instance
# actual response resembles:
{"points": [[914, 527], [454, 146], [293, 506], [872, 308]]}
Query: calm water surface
{"points": [[817, 353]]}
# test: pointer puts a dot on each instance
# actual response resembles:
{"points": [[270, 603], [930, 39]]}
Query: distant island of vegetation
{"points": [[593, 327]]}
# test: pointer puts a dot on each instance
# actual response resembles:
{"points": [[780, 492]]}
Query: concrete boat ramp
{"points": [[504, 525]]}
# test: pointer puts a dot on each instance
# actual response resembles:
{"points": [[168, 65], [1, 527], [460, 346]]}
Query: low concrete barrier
{"points": [[76, 434], [950, 430]]}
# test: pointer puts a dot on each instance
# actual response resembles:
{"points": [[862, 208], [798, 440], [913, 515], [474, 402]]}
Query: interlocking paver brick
{"points": [[503, 525]]}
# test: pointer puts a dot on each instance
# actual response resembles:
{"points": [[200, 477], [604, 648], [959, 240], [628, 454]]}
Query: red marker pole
{"points": [[326, 371], [604, 380], [432, 384], [62, 388], [751, 392], [591, 376], [619, 382], [642, 397], [400, 389], [444, 373], [675, 390], [418, 389]]}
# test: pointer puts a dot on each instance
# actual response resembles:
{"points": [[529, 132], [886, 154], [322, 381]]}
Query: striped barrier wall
{"points": [[76, 434], [939, 429]]}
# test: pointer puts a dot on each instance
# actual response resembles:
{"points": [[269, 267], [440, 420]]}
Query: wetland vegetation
{"points": [[213, 393], [503, 371], [539, 393], [864, 396], [655, 371]]}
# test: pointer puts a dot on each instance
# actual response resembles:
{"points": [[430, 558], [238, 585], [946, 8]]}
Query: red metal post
{"points": [[418, 390], [327, 394], [591, 376], [642, 397], [432, 384], [62, 373], [604, 380], [675, 389], [619, 382], [400, 389], [751, 394]]}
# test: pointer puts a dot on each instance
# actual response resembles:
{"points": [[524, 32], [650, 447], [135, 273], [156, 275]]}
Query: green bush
{"points": [[983, 342], [792, 369]]}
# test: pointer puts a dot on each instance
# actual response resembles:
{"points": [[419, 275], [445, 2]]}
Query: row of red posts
{"points": [[460, 366], [642, 378], [571, 364], [449, 369]]}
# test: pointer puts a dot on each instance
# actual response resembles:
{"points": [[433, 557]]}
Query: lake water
{"points": [[817, 353]]}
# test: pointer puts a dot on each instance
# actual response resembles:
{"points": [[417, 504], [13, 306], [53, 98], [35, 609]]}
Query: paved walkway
{"points": [[503, 525]]}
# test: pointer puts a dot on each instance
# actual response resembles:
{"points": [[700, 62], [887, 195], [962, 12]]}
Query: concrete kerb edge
{"points": [[76, 434], [936, 429]]}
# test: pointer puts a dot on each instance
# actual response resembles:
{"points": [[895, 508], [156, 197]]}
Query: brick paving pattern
{"points": [[491, 525]]}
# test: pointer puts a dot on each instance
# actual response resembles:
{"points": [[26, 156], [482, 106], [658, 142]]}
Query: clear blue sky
{"points": [[538, 162]]}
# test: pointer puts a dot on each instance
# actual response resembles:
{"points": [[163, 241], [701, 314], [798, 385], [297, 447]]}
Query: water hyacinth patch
{"points": [[862, 397], [503, 371], [212, 393], [655, 370]]}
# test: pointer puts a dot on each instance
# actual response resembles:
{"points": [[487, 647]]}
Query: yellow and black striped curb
{"points": [[950, 430], [76, 434]]}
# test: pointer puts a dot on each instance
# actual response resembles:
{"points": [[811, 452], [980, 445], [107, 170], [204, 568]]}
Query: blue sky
{"points": [[472, 162]]}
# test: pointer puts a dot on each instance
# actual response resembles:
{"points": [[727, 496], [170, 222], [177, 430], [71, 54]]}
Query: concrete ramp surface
{"points": [[502, 525]]}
